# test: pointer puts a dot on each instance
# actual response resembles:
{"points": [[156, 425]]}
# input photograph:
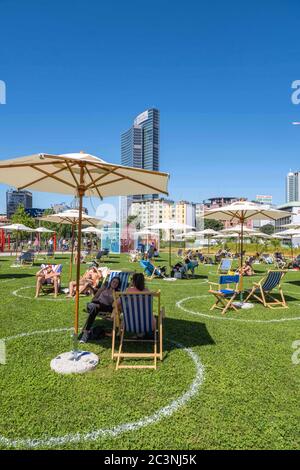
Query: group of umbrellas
{"points": [[80, 174]]}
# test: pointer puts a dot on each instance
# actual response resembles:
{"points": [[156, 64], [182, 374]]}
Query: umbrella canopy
{"points": [[95, 230], [43, 230], [71, 217], [80, 174], [226, 235], [292, 225], [243, 211], [18, 228], [238, 229], [65, 173], [170, 225], [290, 233]]}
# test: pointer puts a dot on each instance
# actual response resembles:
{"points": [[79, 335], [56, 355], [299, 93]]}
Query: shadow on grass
{"points": [[294, 283], [16, 275], [176, 332]]}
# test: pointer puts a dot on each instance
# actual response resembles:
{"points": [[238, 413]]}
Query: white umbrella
{"points": [[170, 225], [290, 233], [71, 217], [95, 230], [43, 230], [17, 228], [84, 175], [242, 211], [208, 233]]}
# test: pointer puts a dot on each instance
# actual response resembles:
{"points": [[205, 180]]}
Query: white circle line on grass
{"points": [[16, 294], [2, 281], [181, 283], [115, 431], [227, 318]]}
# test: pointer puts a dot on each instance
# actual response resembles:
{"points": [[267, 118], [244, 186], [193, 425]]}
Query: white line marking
{"points": [[16, 293], [115, 431], [214, 317]]}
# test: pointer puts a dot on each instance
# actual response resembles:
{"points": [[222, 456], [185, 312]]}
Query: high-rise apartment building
{"points": [[140, 144], [292, 187], [14, 198]]}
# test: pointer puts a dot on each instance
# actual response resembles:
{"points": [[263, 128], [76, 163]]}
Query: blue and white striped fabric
{"points": [[138, 312], [272, 280], [57, 268], [123, 276]]}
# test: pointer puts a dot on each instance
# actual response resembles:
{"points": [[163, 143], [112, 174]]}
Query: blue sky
{"points": [[78, 72]]}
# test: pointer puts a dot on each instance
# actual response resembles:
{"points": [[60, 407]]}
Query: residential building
{"points": [[14, 198], [292, 187]]}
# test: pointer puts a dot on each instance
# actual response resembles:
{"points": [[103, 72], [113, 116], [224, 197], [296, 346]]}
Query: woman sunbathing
{"points": [[46, 275], [88, 282]]}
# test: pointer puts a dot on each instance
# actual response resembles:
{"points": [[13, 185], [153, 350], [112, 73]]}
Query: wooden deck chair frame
{"points": [[224, 271], [225, 301], [262, 295], [119, 326]]}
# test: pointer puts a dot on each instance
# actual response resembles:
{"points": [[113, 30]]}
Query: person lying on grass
{"points": [[88, 282], [102, 302], [46, 275]]}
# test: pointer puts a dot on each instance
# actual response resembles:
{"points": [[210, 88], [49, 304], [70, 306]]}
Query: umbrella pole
{"points": [[170, 248], [292, 253], [81, 194], [208, 240], [241, 265], [72, 254]]}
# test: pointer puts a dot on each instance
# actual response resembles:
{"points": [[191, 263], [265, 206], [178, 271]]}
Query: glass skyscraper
{"points": [[292, 187], [140, 144]]}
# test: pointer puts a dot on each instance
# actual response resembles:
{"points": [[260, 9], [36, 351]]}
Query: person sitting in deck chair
{"points": [[47, 275], [102, 302], [246, 270], [88, 282]]}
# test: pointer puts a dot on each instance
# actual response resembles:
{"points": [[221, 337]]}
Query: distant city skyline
{"points": [[225, 105]]}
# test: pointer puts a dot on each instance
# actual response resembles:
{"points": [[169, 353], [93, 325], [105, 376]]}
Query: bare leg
{"points": [[72, 286], [38, 285], [55, 283]]}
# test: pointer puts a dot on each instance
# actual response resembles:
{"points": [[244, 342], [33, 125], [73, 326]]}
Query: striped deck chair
{"points": [[150, 271], [124, 277], [225, 266], [138, 319], [57, 268], [228, 289], [261, 290]]}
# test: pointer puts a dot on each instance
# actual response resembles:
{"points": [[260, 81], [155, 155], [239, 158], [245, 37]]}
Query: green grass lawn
{"points": [[248, 396]]}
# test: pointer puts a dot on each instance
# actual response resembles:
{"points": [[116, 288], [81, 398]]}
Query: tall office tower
{"points": [[14, 198], [140, 144], [292, 187]]}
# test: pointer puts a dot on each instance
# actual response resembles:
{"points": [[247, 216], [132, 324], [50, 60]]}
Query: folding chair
{"points": [[124, 277], [261, 290], [225, 295], [27, 258], [150, 271], [138, 318], [225, 266], [57, 268]]}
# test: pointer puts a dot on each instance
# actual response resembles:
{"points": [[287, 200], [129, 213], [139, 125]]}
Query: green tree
{"points": [[269, 229], [213, 224], [21, 217]]}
